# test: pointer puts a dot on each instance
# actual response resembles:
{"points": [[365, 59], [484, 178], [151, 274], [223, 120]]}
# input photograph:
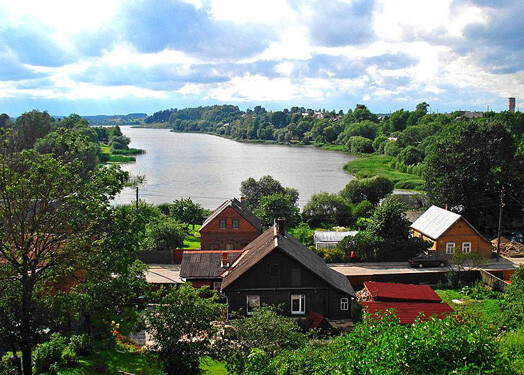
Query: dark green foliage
{"points": [[119, 142], [164, 235], [371, 189], [389, 221], [182, 326], [327, 209], [253, 190], [359, 144], [303, 233], [81, 344], [467, 167], [383, 346], [410, 156], [276, 206], [391, 148], [30, 127], [265, 330], [49, 353], [379, 143], [514, 307], [363, 209]]}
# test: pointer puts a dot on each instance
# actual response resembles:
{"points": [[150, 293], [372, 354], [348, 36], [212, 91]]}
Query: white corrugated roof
{"points": [[435, 221], [332, 236]]}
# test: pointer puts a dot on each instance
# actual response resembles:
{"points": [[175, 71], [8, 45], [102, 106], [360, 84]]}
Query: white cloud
{"points": [[252, 11]]}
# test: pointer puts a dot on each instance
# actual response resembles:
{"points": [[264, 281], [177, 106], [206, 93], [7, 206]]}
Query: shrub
{"points": [[391, 148], [512, 347], [69, 356], [81, 344], [359, 144], [49, 353]]}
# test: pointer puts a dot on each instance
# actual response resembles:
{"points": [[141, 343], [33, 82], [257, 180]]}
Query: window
{"points": [[235, 224], [450, 247], [252, 302], [344, 304], [222, 224], [298, 304], [466, 247], [217, 285]]}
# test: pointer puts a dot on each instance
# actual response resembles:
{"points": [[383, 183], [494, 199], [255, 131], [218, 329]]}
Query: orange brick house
{"points": [[230, 227], [449, 232]]}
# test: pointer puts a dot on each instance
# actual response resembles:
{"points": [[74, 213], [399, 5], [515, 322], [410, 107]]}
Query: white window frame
{"points": [[468, 247], [344, 304], [450, 248], [301, 304], [255, 299]]}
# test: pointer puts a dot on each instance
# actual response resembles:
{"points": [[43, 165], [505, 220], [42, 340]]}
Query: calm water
{"points": [[209, 169]]}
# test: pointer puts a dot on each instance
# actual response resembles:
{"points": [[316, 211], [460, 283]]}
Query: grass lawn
{"points": [[378, 165], [486, 310], [192, 240], [135, 363]]}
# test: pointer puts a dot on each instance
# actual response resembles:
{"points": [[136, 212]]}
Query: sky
{"points": [[122, 56]]}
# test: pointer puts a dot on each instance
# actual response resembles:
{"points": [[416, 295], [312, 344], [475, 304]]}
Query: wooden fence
{"points": [[493, 281]]}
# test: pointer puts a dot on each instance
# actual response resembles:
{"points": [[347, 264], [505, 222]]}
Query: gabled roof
{"points": [[202, 264], [436, 221], [332, 236], [271, 240], [401, 292], [407, 312], [240, 208]]}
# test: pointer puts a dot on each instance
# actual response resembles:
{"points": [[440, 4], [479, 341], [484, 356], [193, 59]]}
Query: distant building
{"points": [[511, 105], [230, 227], [205, 267], [449, 232], [330, 239]]}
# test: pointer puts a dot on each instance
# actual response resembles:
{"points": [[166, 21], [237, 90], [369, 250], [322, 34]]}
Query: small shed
{"points": [[329, 239]]}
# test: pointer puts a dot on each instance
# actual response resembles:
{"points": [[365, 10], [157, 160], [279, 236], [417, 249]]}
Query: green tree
{"points": [[186, 211], [265, 330], [164, 235], [52, 220], [329, 209], [29, 127], [276, 206], [371, 189], [253, 190], [359, 144], [514, 300], [182, 326], [467, 167]]}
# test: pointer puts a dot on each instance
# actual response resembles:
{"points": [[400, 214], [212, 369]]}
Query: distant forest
{"points": [[464, 158]]}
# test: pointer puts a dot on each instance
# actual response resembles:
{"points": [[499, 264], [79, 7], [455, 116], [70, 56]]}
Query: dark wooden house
{"points": [[205, 267], [276, 269], [230, 227]]}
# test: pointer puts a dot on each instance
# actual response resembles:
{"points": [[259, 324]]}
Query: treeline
{"points": [[69, 137], [464, 162]]}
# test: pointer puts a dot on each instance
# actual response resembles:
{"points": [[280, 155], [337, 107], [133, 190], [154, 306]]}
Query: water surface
{"points": [[209, 169]]}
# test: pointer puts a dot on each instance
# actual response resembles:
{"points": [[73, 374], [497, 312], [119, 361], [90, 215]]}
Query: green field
{"points": [[378, 165], [192, 240]]}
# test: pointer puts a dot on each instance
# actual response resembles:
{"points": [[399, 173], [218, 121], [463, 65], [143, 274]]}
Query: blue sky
{"points": [[122, 56]]}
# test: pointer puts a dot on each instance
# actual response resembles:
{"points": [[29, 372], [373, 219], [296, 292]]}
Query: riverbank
{"points": [[378, 165], [108, 155]]}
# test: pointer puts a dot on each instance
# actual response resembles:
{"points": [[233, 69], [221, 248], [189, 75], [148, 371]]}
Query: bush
{"points": [[512, 347], [391, 148], [81, 344], [49, 353], [359, 144], [69, 356]]}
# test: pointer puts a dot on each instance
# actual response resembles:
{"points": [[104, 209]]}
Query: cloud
{"points": [[338, 23], [12, 70], [181, 26]]}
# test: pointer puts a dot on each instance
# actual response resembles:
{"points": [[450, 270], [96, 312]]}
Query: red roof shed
{"points": [[390, 292]]}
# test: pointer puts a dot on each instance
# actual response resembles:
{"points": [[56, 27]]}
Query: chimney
{"points": [[511, 105], [446, 207], [224, 260], [281, 226], [242, 198]]}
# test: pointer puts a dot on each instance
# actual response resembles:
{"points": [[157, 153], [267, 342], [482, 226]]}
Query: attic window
{"points": [[235, 224], [344, 304], [222, 224]]}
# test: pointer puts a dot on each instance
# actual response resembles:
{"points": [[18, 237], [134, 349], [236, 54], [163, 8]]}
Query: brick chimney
{"points": [[281, 226], [225, 262], [511, 105], [446, 207]]}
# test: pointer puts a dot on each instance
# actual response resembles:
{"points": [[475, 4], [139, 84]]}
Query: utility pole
{"points": [[500, 222]]}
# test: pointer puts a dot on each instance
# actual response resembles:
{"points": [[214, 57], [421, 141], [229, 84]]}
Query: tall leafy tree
{"points": [[325, 208], [51, 221], [254, 190], [467, 167], [276, 206], [29, 127], [186, 211]]}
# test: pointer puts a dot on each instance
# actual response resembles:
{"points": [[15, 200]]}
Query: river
{"points": [[209, 169]]}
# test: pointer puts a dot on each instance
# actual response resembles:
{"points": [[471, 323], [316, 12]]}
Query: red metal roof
{"points": [[390, 292], [314, 319], [407, 312]]}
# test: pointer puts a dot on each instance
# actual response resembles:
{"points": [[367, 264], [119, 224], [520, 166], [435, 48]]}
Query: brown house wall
{"points": [[214, 238], [459, 233], [271, 279]]}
